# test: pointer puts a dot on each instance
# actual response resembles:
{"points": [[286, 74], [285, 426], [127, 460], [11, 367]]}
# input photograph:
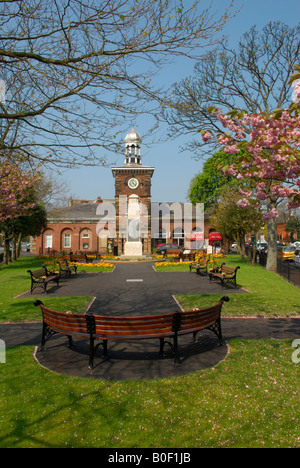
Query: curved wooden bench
{"points": [[162, 327]]}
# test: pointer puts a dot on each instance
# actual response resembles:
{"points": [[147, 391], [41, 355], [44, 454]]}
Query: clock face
{"points": [[133, 183]]}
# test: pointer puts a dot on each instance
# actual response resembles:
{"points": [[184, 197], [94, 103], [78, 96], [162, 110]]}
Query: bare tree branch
{"points": [[254, 77], [76, 69]]}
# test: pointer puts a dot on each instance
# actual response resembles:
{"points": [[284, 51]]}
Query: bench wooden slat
{"points": [[192, 322], [133, 327], [74, 326], [69, 324], [132, 333], [138, 319]]}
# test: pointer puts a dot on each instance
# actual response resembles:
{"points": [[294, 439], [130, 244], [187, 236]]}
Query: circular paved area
{"points": [[136, 289]]}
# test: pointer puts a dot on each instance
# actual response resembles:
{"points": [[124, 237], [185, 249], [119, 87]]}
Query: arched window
{"points": [[85, 239], [48, 240], [66, 239]]}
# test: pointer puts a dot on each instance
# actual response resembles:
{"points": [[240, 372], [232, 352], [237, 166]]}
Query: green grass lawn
{"points": [[14, 280], [269, 294], [251, 399]]}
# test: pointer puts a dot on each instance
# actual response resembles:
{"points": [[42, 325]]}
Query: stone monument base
{"points": [[133, 250]]}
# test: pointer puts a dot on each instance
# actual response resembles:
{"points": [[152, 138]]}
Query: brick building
{"points": [[129, 224]]}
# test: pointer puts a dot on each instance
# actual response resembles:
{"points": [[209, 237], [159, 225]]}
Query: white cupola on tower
{"points": [[132, 148]]}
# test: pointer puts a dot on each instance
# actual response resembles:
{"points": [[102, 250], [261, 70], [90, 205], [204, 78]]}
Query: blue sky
{"points": [[174, 169]]}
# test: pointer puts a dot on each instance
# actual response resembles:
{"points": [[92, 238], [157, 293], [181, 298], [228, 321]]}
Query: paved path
{"points": [[136, 289]]}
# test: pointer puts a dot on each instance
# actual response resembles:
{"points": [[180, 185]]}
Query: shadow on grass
{"points": [[19, 310], [23, 262]]}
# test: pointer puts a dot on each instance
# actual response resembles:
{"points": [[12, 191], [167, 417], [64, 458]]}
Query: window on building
{"points": [[48, 241], [67, 241], [178, 233], [85, 235]]}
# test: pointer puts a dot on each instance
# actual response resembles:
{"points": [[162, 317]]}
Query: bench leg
{"points": [[43, 336], [34, 285], [71, 342], [93, 349], [176, 361], [92, 352], [161, 347], [162, 344], [46, 334], [216, 328], [105, 353]]}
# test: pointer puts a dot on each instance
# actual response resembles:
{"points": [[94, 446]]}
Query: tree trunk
{"points": [[17, 242], [254, 249], [14, 252], [272, 245], [240, 242], [242, 248], [7, 252]]}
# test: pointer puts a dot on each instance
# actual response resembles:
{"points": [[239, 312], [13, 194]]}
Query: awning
{"points": [[214, 236], [197, 236]]}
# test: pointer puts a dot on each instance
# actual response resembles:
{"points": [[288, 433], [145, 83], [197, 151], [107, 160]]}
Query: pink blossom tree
{"points": [[16, 187], [267, 149]]}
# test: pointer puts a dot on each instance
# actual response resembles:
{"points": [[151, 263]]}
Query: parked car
{"points": [[286, 253], [169, 249], [262, 247], [25, 246], [249, 244], [296, 257]]}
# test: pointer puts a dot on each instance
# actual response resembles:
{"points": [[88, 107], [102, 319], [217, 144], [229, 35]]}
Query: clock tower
{"points": [[133, 200]]}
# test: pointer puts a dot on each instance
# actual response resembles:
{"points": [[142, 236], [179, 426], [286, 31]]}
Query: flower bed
{"points": [[52, 264], [214, 262], [92, 266], [179, 265]]}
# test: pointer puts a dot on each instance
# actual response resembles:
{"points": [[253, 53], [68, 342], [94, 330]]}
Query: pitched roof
{"points": [[82, 212]]}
